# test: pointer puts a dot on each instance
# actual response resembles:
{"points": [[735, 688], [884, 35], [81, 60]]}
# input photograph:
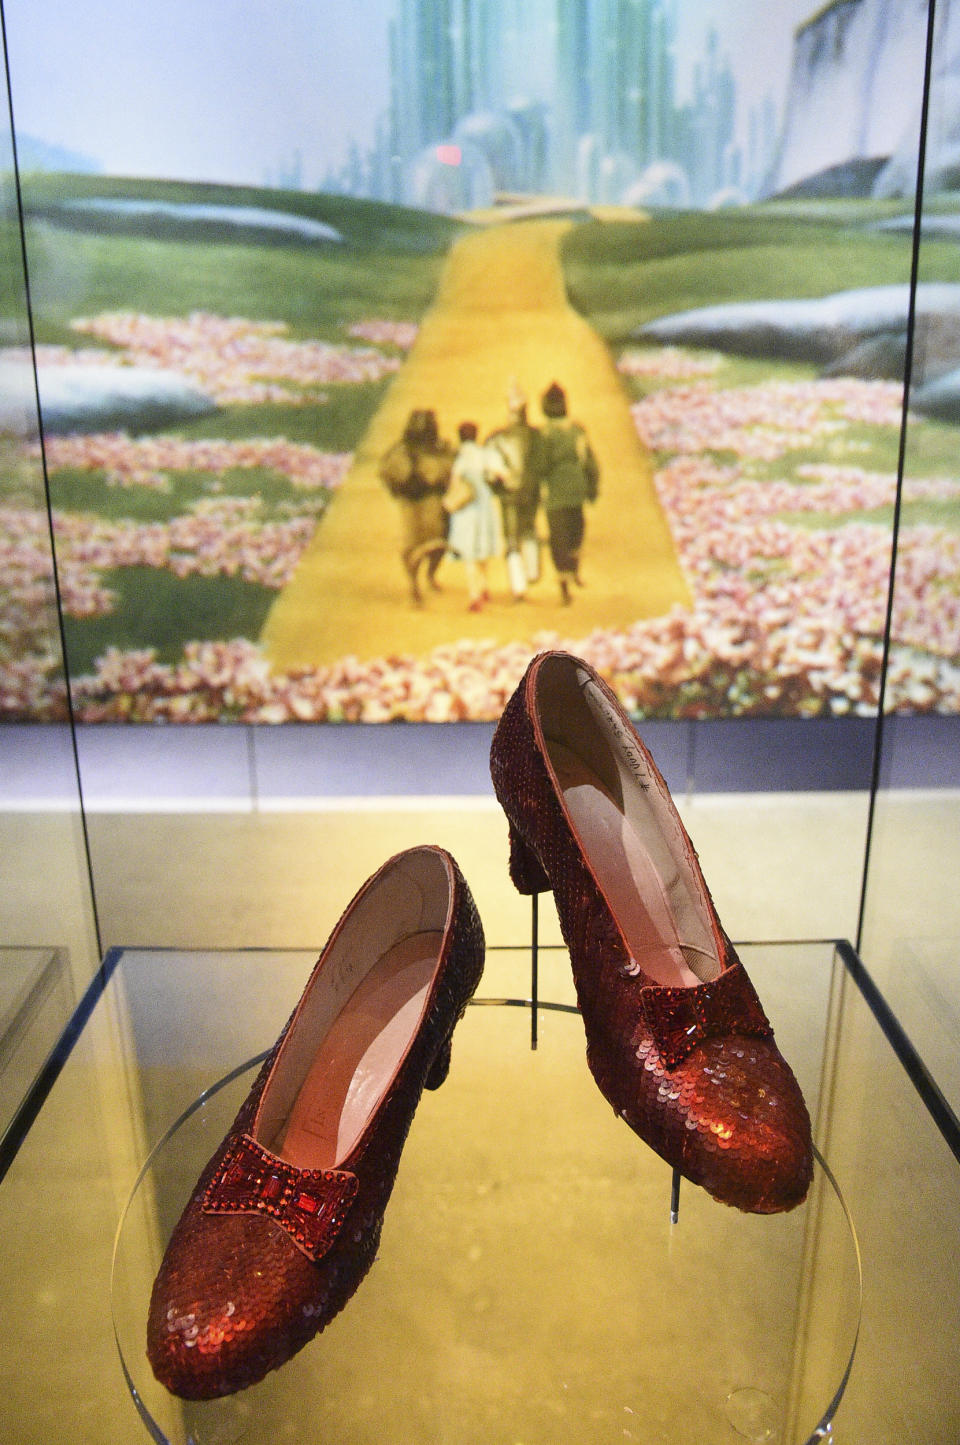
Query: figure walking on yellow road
{"points": [[518, 488], [416, 471], [474, 535], [501, 310], [568, 470]]}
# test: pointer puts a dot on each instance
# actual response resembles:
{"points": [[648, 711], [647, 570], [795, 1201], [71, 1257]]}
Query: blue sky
{"points": [[229, 90], [205, 89]]}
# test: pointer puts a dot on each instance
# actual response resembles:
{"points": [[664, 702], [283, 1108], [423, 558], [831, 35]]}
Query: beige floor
{"points": [[780, 866]]}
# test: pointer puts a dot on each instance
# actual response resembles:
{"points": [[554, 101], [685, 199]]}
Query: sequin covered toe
{"points": [[285, 1220], [677, 1039]]}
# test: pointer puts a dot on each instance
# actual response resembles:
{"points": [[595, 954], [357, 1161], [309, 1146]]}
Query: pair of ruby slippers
{"points": [[286, 1218]]}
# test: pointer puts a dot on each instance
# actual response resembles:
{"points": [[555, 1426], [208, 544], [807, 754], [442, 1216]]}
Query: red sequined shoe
{"points": [[676, 1038], [285, 1219]]}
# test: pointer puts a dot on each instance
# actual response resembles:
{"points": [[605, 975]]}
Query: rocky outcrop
{"points": [[854, 98], [942, 170]]}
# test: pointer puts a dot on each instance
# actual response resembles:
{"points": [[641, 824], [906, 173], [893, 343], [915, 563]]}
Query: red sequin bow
{"points": [[680, 1018], [310, 1204]]}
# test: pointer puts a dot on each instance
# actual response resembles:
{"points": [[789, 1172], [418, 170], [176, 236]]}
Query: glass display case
{"points": [[529, 1279], [204, 350]]}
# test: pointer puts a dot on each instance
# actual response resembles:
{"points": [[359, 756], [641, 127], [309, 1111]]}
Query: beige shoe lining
{"points": [[360, 1055], [359, 1015], [629, 832]]}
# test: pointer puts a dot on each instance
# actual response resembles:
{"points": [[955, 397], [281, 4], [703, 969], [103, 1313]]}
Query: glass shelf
{"points": [[530, 1285]]}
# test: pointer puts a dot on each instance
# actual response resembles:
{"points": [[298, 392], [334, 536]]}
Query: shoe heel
{"points": [[526, 870], [440, 1067]]}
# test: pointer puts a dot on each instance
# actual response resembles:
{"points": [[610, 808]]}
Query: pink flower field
{"points": [[145, 462], [788, 571], [235, 361]]}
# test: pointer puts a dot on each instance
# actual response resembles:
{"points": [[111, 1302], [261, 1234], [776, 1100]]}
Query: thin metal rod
{"points": [[675, 1197], [534, 969]]}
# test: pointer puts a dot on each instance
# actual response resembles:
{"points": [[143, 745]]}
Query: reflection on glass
{"points": [[36, 1000]]}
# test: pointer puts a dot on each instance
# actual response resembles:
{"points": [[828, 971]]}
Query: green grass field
{"points": [[157, 610], [623, 275], [387, 267]]}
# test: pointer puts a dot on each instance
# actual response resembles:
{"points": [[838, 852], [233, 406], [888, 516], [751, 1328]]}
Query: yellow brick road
{"points": [[501, 311]]}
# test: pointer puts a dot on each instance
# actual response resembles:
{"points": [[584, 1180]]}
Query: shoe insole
{"points": [[633, 884], [356, 1061]]}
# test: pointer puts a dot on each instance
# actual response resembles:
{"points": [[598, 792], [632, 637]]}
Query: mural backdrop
{"points": [[256, 250]]}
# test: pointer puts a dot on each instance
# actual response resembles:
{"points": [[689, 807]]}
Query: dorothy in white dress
{"points": [[474, 535]]}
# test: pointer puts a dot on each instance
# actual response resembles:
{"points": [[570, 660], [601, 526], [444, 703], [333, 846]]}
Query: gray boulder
{"points": [[96, 398], [18, 400], [173, 218], [879, 358], [819, 329], [933, 227], [939, 398]]}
